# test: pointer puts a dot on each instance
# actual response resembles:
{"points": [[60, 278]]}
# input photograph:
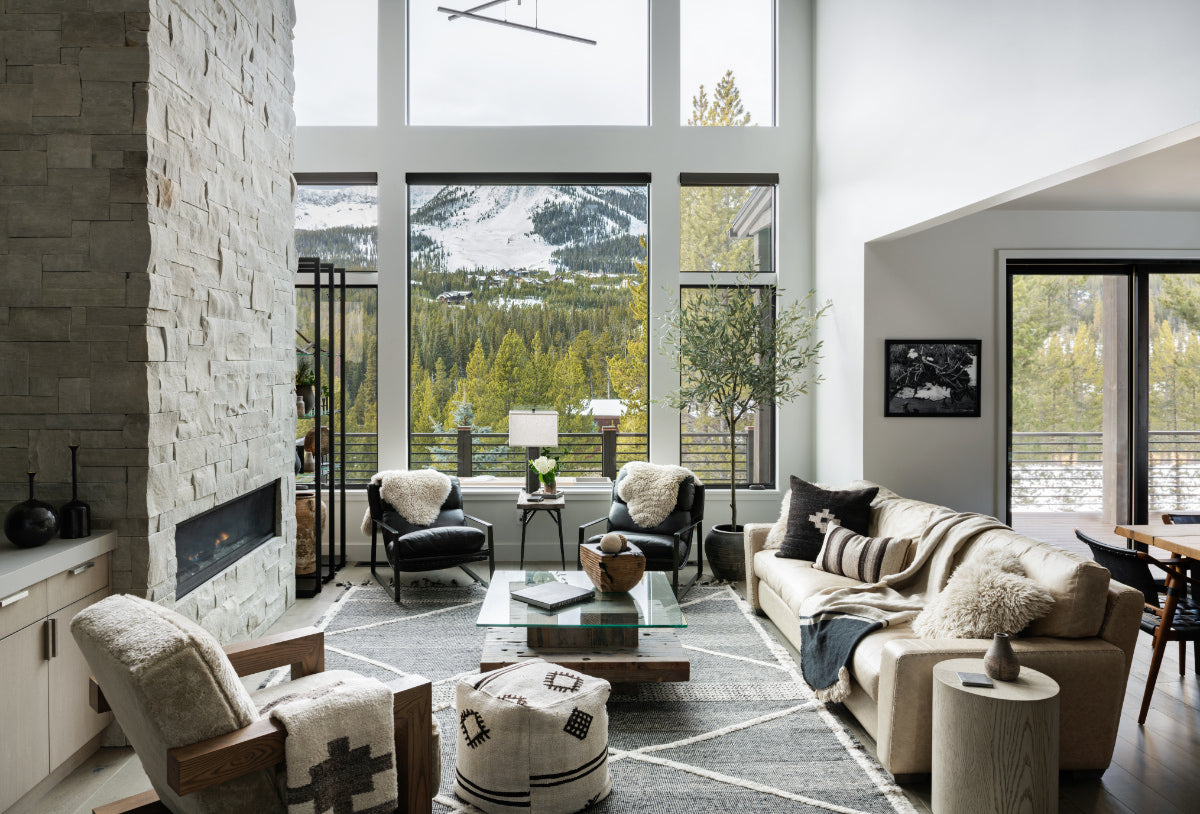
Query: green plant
{"points": [[734, 353], [304, 371]]}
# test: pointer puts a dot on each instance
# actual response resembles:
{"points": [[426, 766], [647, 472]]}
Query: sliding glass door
{"points": [[1104, 395]]}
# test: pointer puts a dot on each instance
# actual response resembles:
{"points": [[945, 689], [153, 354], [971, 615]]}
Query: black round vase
{"points": [[32, 523], [75, 515], [725, 550]]}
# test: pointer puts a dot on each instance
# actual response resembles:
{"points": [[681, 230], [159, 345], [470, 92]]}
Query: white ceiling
{"points": [[1167, 180]]}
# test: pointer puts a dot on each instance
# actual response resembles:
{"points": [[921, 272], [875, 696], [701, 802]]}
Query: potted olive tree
{"points": [[735, 353]]}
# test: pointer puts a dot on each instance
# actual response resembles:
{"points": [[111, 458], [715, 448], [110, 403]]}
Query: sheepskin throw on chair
{"points": [[416, 494], [651, 490]]}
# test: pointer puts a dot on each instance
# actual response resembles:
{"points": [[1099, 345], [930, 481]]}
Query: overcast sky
{"points": [[471, 72]]}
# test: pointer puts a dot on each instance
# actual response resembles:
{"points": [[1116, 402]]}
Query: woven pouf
{"points": [[535, 736]]}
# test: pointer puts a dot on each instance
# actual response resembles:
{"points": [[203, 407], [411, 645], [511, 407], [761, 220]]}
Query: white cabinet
{"points": [[43, 676]]}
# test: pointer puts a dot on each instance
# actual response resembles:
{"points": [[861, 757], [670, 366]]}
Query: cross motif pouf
{"points": [[532, 736]]}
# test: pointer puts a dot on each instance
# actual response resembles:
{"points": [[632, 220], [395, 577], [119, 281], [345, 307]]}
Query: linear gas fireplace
{"points": [[211, 542]]}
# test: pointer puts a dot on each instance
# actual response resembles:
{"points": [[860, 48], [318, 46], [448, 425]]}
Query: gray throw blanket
{"points": [[835, 620]]}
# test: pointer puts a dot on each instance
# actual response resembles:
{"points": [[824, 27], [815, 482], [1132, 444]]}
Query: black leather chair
{"points": [[1132, 567], [668, 544], [448, 543]]}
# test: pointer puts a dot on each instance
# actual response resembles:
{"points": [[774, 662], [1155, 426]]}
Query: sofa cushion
{"points": [[811, 511], [795, 580], [1079, 586], [867, 660], [868, 559]]}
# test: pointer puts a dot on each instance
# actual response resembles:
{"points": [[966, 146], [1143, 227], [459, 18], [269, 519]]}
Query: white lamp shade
{"points": [[533, 428]]}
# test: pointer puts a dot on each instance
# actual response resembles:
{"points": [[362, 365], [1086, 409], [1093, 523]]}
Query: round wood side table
{"points": [[994, 749]]}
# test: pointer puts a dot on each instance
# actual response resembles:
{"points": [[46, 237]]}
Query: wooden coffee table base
{"points": [[654, 655]]}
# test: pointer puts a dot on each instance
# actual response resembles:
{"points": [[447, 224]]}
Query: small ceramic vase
{"points": [[1000, 662]]}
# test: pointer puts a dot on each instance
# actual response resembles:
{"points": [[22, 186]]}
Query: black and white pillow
{"points": [[811, 511], [866, 559]]}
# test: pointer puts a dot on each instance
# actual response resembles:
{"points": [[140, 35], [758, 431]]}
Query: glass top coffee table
{"points": [[621, 637]]}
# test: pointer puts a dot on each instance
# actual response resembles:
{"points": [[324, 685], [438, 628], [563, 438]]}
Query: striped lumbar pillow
{"points": [[867, 559]]}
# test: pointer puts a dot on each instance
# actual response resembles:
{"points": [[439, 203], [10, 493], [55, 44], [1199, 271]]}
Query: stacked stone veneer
{"points": [[146, 291]]}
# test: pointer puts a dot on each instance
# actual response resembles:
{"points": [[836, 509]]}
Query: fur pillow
{"points": [[988, 594]]}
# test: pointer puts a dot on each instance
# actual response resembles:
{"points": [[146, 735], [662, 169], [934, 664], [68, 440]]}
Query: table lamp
{"points": [[532, 429]]}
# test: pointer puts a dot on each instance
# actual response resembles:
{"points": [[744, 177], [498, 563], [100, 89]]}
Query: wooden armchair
{"points": [[260, 745]]}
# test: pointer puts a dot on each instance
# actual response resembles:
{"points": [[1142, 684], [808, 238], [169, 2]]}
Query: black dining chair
{"points": [[1132, 567]]}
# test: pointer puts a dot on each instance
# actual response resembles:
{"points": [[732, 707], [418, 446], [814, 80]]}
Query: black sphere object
{"points": [[75, 515], [32, 523]]}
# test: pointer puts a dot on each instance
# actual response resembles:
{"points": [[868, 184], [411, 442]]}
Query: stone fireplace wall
{"points": [[219, 336], [145, 260]]}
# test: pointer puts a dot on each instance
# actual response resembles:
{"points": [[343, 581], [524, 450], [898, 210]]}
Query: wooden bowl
{"points": [[613, 573]]}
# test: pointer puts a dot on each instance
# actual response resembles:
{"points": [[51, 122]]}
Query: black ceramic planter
{"points": [[31, 523], [725, 550]]}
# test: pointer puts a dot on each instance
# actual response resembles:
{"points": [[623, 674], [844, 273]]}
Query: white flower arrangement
{"points": [[546, 468]]}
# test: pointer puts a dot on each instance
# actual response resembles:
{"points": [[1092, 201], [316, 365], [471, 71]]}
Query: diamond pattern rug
{"points": [[744, 735]]}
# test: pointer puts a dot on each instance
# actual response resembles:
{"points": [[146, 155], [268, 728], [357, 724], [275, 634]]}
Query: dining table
{"points": [[1181, 541]]}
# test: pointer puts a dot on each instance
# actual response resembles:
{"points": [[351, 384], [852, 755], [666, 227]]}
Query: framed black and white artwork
{"points": [[931, 377]]}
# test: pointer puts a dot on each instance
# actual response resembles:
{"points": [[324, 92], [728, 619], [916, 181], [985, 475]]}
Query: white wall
{"points": [[664, 149], [947, 282], [924, 107]]}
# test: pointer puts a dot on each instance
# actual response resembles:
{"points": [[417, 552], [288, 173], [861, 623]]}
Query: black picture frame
{"points": [[932, 378]]}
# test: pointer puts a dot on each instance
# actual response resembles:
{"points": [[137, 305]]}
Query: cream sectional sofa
{"points": [[1085, 643]]}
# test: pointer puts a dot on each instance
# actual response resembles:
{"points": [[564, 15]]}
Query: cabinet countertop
{"points": [[22, 567]]}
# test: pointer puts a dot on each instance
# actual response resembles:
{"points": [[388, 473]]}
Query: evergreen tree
{"points": [[629, 372]]}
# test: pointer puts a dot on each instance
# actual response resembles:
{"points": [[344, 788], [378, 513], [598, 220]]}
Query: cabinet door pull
{"points": [[50, 633], [14, 599], [79, 569]]}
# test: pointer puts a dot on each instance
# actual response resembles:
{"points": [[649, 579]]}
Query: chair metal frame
{"points": [[416, 565]]}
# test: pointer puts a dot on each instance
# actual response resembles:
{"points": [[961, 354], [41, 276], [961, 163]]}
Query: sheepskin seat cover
{"points": [[170, 684]]}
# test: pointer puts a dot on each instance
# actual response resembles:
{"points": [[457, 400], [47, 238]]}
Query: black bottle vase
{"points": [[32, 523], [75, 517]]}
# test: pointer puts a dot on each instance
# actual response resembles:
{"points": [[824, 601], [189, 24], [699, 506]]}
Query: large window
{"points": [[727, 230], [339, 223], [336, 48], [727, 63], [526, 295], [541, 62]]}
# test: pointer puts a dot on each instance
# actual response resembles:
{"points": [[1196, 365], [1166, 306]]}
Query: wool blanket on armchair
{"points": [[835, 620], [416, 494], [340, 750]]}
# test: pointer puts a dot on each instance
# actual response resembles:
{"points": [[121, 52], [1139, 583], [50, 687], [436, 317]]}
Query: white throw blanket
{"points": [[834, 620], [651, 490], [340, 749], [416, 494]]}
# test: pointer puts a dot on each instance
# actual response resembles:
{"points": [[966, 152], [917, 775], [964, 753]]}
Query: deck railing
{"points": [[1064, 471], [597, 454]]}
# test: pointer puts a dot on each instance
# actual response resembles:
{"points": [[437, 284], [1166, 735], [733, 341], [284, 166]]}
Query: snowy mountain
{"points": [[533, 227], [573, 228], [325, 207]]}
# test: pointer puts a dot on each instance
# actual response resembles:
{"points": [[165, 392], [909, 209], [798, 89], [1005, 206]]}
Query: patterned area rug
{"points": [[744, 735]]}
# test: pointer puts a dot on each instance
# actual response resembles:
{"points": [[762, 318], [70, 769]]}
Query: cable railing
{"points": [[1065, 470]]}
